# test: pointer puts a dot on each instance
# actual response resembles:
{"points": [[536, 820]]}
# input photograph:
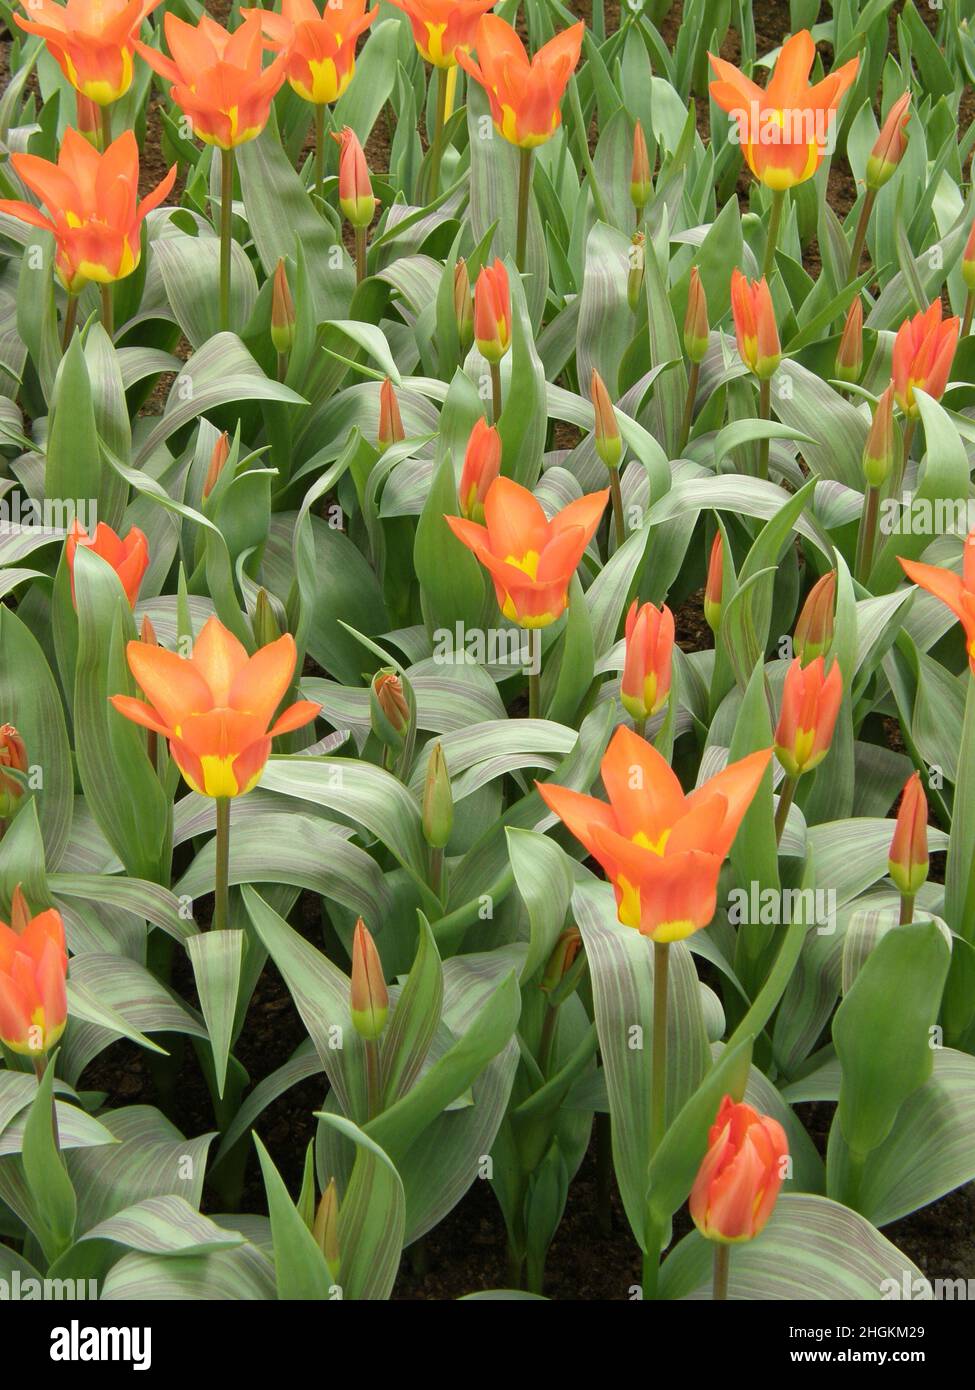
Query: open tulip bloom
{"points": [[92, 41], [33, 964]]}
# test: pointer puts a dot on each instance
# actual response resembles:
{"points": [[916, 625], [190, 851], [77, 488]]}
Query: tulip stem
{"points": [[360, 255], [966, 323], [867, 538], [786, 798], [534, 694], [774, 225], [907, 909], [70, 318], [658, 1089], [690, 399], [496, 390], [108, 315], [41, 1064], [221, 896], [436, 144], [764, 413], [722, 1259], [373, 1093], [861, 235], [226, 213], [106, 125], [436, 870], [640, 727], [617, 495], [524, 197], [320, 150]]}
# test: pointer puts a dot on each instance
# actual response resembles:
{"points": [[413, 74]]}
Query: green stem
{"points": [[966, 323], [867, 539], [360, 255], [764, 413], [524, 197], [861, 235], [436, 870], [786, 797], [221, 898], [436, 144], [70, 318], [689, 401], [534, 694], [907, 909], [496, 391], [320, 150], [226, 213], [640, 727], [373, 1093], [658, 1079], [774, 225], [108, 312], [617, 495], [722, 1258]]}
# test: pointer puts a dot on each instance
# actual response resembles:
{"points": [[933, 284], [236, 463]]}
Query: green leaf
{"points": [[47, 1178], [299, 1265], [372, 1217], [217, 957]]}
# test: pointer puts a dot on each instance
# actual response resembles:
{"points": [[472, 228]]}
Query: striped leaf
{"points": [[225, 1275], [372, 1217], [217, 957], [163, 1226]]}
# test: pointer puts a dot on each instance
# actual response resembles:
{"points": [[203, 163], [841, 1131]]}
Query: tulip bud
{"points": [[463, 304], [438, 801], [355, 187], [849, 354], [878, 452], [968, 261], [908, 862], [326, 1228], [389, 710], [696, 328], [810, 706], [609, 441], [566, 948], [649, 655], [482, 464], [13, 755], [218, 459], [368, 996], [492, 312], [147, 633], [264, 624], [391, 429], [634, 280], [89, 121], [640, 182], [20, 915], [814, 630], [738, 1182], [715, 585], [282, 311], [888, 150]]}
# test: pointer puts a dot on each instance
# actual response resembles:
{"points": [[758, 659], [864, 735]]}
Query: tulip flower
{"points": [[849, 354], [783, 130], [356, 198], [368, 996], [641, 185], [218, 461], [647, 665], [923, 352], [13, 755], [492, 323], [482, 465], [908, 861], [696, 328], [661, 850], [889, 147], [463, 304], [738, 1182], [129, 558], [957, 592], [33, 966], [92, 199], [91, 41], [215, 707], [714, 587], [282, 312], [319, 46], [814, 630], [755, 328], [391, 429], [810, 705], [441, 27], [530, 559], [606, 435], [389, 710]]}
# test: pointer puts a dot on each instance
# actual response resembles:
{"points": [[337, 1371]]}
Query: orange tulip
{"points": [[888, 151], [908, 862], [355, 187], [93, 203], [736, 1187], [714, 588], [441, 27], [649, 654], [391, 429], [957, 592], [524, 94], [814, 630], [129, 558], [218, 79], [849, 354], [319, 47], [215, 706], [482, 465], [13, 754], [368, 997], [661, 850], [33, 965], [923, 352], [784, 131], [810, 705], [91, 41], [492, 312], [696, 328], [754, 316], [530, 559]]}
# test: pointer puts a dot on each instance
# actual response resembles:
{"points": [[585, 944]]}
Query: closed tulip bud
{"points": [[814, 630], [649, 655], [13, 756], [738, 1182], [147, 633], [889, 147], [640, 182], [566, 948], [810, 706], [391, 429], [908, 862], [878, 452], [849, 354], [326, 1229], [755, 327], [438, 801], [608, 440], [482, 464], [696, 327], [463, 304], [389, 710], [355, 187], [368, 996], [89, 122], [634, 279], [492, 312], [968, 261], [714, 587], [264, 624], [282, 311], [218, 459]]}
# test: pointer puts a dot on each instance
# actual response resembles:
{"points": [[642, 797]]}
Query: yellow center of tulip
{"points": [[433, 51], [525, 140], [654, 846], [99, 89], [326, 84]]}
